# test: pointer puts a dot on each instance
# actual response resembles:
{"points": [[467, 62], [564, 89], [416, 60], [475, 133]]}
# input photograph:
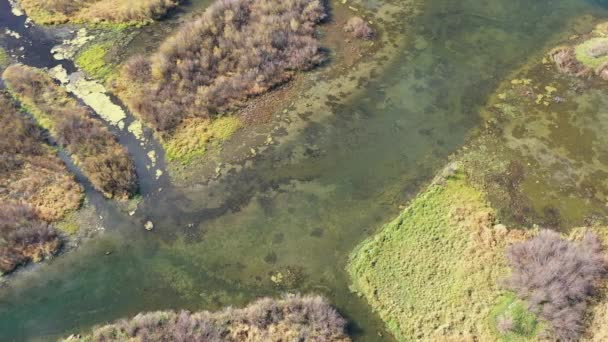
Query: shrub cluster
{"points": [[23, 237], [359, 28], [295, 318], [94, 149], [117, 11], [236, 49], [30, 171], [556, 278]]}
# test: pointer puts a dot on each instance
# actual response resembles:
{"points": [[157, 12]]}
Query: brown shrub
{"points": [[30, 171], [119, 11], [23, 237], [92, 146], [296, 318], [236, 49], [359, 28], [556, 277], [566, 62]]}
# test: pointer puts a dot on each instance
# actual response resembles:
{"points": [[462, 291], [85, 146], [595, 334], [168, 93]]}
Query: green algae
{"points": [[4, 58], [92, 60]]}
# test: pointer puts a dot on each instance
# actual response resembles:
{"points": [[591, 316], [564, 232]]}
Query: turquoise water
{"points": [[288, 223]]}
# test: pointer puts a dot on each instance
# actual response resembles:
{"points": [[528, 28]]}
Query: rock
{"points": [[149, 225]]}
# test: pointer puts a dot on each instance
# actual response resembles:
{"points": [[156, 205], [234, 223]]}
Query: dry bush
{"points": [[118, 11], [236, 49], [296, 318], [556, 277], [359, 28], [93, 147], [29, 169], [24, 237]]}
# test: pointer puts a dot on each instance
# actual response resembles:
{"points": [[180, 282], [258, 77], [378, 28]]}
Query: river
{"points": [[285, 218]]}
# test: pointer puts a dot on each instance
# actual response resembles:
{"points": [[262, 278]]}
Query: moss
{"points": [[432, 273], [92, 60], [586, 58], [525, 324], [195, 137]]}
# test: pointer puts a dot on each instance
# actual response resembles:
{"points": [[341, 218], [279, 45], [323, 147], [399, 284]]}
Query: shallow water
{"points": [[289, 222]]}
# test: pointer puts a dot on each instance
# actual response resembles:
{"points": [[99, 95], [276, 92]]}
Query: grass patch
{"points": [[525, 325], [196, 136], [585, 55], [92, 60], [432, 273]]}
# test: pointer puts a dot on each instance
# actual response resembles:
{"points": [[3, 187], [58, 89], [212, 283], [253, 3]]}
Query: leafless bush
{"points": [[236, 49], [23, 237], [94, 148], [308, 318], [359, 28], [556, 277]]}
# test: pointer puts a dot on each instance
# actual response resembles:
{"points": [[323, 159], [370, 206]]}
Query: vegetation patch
{"points": [[24, 237], [30, 171], [195, 136], [556, 278], [94, 149], [513, 321], [5, 59], [432, 273], [235, 50], [92, 60], [96, 11], [294, 318]]}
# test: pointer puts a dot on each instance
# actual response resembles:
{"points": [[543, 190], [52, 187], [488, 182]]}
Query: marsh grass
{"points": [[524, 324], [92, 146], [196, 136], [432, 273], [30, 170], [132, 12]]}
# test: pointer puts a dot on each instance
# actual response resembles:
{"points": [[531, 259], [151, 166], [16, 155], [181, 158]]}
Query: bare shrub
{"points": [[93, 147], [23, 237], [58, 11], [296, 318], [359, 28], [556, 278], [236, 49]]}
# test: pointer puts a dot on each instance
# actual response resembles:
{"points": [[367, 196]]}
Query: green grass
{"points": [[193, 139], [526, 325], [92, 60], [426, 273], [583, 56]]}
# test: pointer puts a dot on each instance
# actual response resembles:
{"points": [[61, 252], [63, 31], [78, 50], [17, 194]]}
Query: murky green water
{"points": [[288, 223]]}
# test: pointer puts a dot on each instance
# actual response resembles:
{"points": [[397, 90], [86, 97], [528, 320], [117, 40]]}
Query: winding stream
{"points": [[289, 222]]}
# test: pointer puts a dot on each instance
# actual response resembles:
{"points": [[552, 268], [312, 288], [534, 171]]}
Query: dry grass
{"points": [[30, 171], [24, 237], [235, 50], [94, 149], [96, 11]]}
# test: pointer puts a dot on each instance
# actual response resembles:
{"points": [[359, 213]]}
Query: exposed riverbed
{"points": [[288, 222]]}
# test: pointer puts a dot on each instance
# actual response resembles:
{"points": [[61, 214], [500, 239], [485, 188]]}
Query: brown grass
{"points": [[30, 171], [115, 11], [94, 149]]}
